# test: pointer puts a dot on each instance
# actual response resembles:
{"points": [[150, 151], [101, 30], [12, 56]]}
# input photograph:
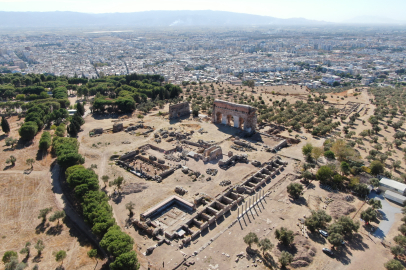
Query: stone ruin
{"points": [[129, 162], [117, 127], [97, 131], [135, 127], [196, 222], [225, 164], [243, 116], [179, 110], [261, 177], [176, 218], [180, 190], [213, 152]]}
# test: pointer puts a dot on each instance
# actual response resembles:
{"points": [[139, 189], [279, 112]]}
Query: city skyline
{"points": [[346, 12]]}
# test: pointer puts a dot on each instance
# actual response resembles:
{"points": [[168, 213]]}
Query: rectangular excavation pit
{"points": [[225, 200], [249, 184], [169, 214], [219, 207]]}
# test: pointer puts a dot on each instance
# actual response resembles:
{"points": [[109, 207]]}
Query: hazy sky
{"points": [[328, 10]]}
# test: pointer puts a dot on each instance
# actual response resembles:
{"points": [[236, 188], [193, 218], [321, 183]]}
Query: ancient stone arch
{"points": [[242, 116]]}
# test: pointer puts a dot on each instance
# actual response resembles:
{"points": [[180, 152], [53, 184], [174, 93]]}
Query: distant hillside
{"points": [[142, 19]]}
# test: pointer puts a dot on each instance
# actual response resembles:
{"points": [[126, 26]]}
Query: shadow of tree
{"points": [[55, 230], [342, 256], [117, 198], [3, 136], [37, 258], [41, 227], [356, 243], [41, 154], [291, 248], [300, 201], [380, 215], [8, 167], [316, 237]]}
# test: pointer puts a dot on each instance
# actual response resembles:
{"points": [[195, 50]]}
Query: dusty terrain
{"points": [[217, 247]]}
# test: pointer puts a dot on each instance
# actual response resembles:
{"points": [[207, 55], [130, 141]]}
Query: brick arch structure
{"points": [[243, 116]]}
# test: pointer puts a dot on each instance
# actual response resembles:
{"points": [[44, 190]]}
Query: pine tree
{"points": [[80, 109], [4, 125]]}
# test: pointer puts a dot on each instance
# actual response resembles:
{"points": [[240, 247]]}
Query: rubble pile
{"points": [[212, 172], [225, 183]]}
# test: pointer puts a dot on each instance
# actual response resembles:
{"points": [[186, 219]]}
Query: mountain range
{"points": [[143, 19]]}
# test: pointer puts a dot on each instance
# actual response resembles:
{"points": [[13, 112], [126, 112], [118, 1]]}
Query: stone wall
{"points": [[243, 116], [179, 110], [212, 152], [117, 127]]}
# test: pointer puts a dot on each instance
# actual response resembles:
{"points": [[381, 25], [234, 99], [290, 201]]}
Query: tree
{"points": [[368, 215], [105, 179], [375, 182], [362, 190], [126, 261], [344, 167], [341, 150], [30, 162], [130, 207], [80, 108], [375, 203], [265, 244], [307, 149], [285, 236], [397, 250], [307, 175], [117, 182], [28, 130], [43, 213], [335, 239], [348, 226], [57, 216], [60, 256], [195, 110], [250, 238], [7, 256], [11, 141], [398, 142], [396, 164], [251, 84], [26, 249], [4, 125], [324, 173], [45, 141], [400, 240], [317, 152], [402, 229], [92, 254], [376, 167], [117, 242], [329, 154], [317, 220], [39, 246], [393, 265], [11, 160], [295, 189], [285, 259], [14, 265]]}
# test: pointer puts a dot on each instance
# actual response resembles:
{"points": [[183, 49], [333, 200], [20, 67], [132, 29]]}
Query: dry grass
{"points": [[22, 198]]}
